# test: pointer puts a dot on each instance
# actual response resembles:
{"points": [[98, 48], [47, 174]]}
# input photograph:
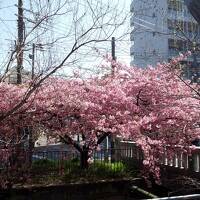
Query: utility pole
{"points": [[19, 52], [112, 140], [30, 129], [20, 27], [113, 53], [33, 61]]}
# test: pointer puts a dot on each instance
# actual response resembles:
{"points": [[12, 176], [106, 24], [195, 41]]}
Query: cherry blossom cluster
{"points": [[151, 106]]}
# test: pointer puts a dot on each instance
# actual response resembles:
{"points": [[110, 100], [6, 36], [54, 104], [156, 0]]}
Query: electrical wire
{"points": [[10, 6]]}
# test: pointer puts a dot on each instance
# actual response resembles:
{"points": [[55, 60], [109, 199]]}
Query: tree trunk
{"points": [[84, 159]]}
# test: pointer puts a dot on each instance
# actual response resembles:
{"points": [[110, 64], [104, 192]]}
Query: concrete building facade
{"points": [[160, 30]]}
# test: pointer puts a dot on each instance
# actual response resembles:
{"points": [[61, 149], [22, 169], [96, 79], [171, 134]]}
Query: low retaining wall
{"points": [[117, 190]]}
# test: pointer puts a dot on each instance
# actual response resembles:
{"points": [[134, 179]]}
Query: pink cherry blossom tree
{"points": [[152, 107]]}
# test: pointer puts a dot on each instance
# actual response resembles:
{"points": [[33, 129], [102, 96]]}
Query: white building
{"points": [[160, 30]]}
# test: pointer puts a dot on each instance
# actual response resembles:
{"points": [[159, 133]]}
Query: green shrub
{"points": [[47, 164], [71, 165], [105, 169], [43, 164], [96, 171], [73, 172], [75, 160], [131, 168]]}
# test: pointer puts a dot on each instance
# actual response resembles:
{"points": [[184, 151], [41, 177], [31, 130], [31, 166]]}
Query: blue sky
{"points": [[8, 28]]}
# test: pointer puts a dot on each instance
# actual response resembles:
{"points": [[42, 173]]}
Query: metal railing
{"points": [[47, 162], [126, 152], [180, 160]]}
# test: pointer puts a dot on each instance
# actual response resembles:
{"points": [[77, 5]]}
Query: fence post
{"points": [[195, 162], [106, 144], [112, 145]]}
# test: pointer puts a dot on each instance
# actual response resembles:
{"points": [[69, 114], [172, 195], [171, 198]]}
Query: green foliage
{"points": [[71, 166], [107, 169], [43, 164], [96, 171], [72, 172], [132, 168]]}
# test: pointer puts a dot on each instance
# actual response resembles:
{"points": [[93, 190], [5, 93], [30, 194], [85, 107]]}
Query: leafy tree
{"points": [[152, 107]]}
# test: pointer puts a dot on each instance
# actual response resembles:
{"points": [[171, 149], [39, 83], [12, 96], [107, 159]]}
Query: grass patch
{"points": [[43, 164], [107, 169], [96, 171], [66, 171]]}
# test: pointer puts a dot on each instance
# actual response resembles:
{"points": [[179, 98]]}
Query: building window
{"points": [[180, 25], [171, 24], [176, 5], [179, 45]]}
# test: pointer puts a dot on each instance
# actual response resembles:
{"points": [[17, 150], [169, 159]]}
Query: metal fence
{"points": [[183, 162], [60, 161], [54, 163]]}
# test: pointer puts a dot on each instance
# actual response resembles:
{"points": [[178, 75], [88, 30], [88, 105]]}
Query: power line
{"points": [[7, 7], [7, 27], [8, 20]]}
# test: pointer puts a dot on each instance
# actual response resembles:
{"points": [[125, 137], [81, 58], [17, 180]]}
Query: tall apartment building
{"points": [[160, 30]]}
